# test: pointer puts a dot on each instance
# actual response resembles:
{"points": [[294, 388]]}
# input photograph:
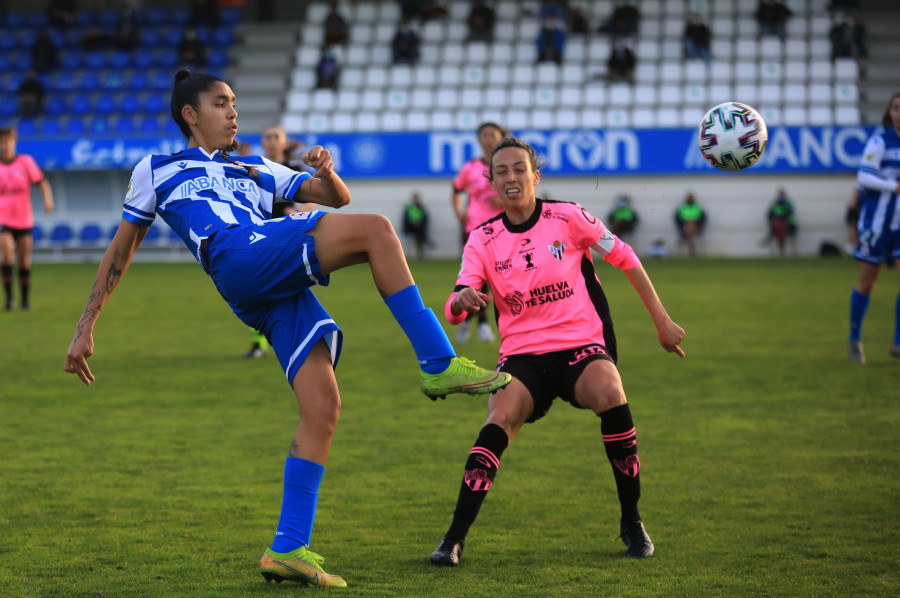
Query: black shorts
{"points": [[17, 233], [551, 375]]}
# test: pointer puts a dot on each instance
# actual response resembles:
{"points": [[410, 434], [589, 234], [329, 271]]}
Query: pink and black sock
{"points": [[481, 467], [620, 441], [24, 283], [6, 272]]}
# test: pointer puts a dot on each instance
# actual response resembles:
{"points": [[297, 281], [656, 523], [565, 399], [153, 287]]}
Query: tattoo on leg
{"points": [[294, 450], [383, 294]]}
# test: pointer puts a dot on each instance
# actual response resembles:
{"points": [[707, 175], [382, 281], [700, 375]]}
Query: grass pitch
{"points": [[770, 464]]}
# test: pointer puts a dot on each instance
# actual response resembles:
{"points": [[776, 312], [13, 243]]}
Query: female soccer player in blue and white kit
{"points": [[263, 268], [879, 223]]}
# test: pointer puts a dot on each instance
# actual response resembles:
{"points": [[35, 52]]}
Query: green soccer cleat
{"points": [[465, 377], [301, 565]]}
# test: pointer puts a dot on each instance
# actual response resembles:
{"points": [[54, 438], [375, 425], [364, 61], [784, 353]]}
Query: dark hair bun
{"points": [[182, 75]]}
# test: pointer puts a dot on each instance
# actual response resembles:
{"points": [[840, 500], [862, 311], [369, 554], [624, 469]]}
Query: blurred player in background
{"points": [[18, 172], [482, 204], [556, 334], [879, 224], [264, 268]]}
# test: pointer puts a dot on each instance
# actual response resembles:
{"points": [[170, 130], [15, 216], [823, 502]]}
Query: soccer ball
{"points": [[732, 136]]}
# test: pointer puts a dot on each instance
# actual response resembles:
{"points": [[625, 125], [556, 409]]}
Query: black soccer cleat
{"points": [[637, 542], [448, 553]]}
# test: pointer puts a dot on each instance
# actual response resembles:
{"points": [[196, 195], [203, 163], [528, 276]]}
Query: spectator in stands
{"points": [[204, 12], [621, 62], [191, 51], [623, 220], [30, 95], [406, 43], [696, 38], [690, 220], [337, 31], [421, 9], [126, 33], [772, 16], [62, 13], [554, 8], [551, 41], [415, 223], [328, 70], [578, 21], [782, 222], [481, 21], [848, 37], [18, 172], [624, 20], [44, 53]]}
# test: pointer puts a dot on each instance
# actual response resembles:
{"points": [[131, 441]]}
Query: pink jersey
{"points": [[473, 179], [542, 277], [16, 179]]}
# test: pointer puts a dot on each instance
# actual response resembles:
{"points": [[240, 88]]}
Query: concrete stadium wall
{"points": [[736, 206]]}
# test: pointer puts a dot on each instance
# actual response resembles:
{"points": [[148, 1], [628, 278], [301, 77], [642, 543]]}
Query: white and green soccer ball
{"points": [[732, 136]]}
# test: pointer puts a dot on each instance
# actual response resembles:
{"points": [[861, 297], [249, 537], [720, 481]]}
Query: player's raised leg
{"points": [[347, 239]]}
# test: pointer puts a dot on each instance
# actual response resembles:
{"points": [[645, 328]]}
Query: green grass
{"points": [[770, 464]]}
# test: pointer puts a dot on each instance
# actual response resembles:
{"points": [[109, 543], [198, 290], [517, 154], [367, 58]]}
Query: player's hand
{"points": [[319, 158], [670, 336], [470, 300], [81, 348]]}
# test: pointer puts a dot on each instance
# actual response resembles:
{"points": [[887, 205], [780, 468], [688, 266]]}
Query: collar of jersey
{"points": [[532, 220], [199, 151]]}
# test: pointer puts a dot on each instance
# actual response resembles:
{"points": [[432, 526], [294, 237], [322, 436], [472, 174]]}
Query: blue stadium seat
{"points": [[5, 65], [151, 38], [180, 16], [172, 128], [120, 60], [204, 35], [217, 59], [153, 235], [62, 234], [50, 127], [223, 36], [70, 61], [15, 19], [100, 126], [90, 234], [157, 17], [112, 231], [95, 60], [63, 82], [162, 82], [229, 15], [14, 80], [113, 82], [86, 18], [9, 107], [57, 37], [37, 234], [37, 19], [105, 105], [138, 82], [22, 62], [55, 106], [124, 126], [26, 127], [90, 82], [154, 104], [173, 37], [80, 105], [144, 59], [129, 104], [109, 17], [167, 59], [75, 126], [9, 42], [150, 125]]}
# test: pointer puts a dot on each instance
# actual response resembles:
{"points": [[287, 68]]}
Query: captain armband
{"points": [[605, 244]]}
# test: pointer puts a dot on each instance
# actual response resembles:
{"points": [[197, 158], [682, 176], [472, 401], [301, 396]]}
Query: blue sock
{"points": [[859, 303], [429, 341], [298, 505], [897, 321]]}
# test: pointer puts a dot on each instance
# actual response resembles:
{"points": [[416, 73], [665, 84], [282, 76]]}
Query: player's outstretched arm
{"points": [[325, 187], [113, 266], [670, 333]]}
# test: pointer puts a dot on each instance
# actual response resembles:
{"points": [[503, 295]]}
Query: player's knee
{"points": [[606, 396], [322, 410], [380, 229]]}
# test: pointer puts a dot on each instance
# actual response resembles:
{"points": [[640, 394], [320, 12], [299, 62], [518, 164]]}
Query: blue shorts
{"points": [[877, 247], [264, 272]]}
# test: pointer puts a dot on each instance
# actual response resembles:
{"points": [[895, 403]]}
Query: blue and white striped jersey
{"points": [[198, 194], [878, 174]]}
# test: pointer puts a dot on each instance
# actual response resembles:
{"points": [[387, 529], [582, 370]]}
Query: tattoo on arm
{"points": [[113, 275]]}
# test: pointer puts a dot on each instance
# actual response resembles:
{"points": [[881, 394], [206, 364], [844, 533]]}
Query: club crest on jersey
{"points": [[557, 249]]}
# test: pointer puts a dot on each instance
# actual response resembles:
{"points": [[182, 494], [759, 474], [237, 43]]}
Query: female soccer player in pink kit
{"points": [[482, 205], [556, 335], [18, 172]]}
